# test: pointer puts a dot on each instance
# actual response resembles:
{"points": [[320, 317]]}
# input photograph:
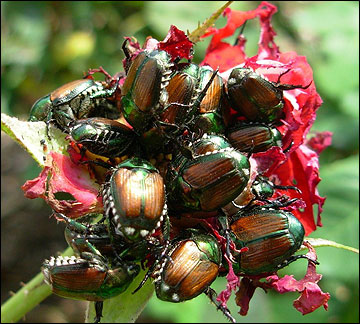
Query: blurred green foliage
{"points": [[49, 43]]}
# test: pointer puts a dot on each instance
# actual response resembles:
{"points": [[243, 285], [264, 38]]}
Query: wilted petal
{"points": [[311, 296], [244, 295], [302, 170], [66, 187], [233, 282], [320, 141], [222, 55]]}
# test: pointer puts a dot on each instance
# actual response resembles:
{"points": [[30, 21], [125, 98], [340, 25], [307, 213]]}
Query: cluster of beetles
{"points": [[178, 193]]}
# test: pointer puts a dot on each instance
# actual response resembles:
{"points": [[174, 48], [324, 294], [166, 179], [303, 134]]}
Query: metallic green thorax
{"points": [[210, 123], [39, 111], [262, 188], [118, 280], [135, 162], [209, 246]]}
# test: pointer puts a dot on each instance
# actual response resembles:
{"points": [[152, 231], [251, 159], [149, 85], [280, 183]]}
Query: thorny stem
{"points": [[195, 35], [28, 297]]}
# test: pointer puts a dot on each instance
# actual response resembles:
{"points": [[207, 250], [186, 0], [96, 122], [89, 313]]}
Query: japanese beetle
{"points": [[101, 268], [134, 199], [102, 136], [272, 236], [88, 278], [195, 265], [144, 89], [254, 137], [74, 100], [192, 265], [255, 97], [209, 180]]}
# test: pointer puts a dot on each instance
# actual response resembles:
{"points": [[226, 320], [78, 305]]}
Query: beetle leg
{"points": [[240, 36], [158, 261], [211, 293], [146, 277], [98, 310], [97, 162], [280, 202], [228, 240], [294, 258], [287, 188]]}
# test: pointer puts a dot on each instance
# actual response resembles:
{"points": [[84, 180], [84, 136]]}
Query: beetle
{"points": [[102, 136], [144, 89], [96, 272], [192, 265], [215, 176], [134, 199], [272, 236], [254, 137], [74, 100], [88, 278], [255, 97]]}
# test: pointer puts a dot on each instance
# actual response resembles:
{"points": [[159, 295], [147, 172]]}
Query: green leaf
{"points": [[30, 135], [126, 307]]}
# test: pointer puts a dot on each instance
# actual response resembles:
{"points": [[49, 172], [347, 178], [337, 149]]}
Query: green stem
{"points": [[318, 242], [29, 296]]}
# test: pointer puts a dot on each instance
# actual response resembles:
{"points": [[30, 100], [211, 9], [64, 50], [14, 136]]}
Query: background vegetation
{"points": [[47, 44]]}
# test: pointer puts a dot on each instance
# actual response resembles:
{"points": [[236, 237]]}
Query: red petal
{"points": [[320, 141], [232, 283], [311, 296], [244, 295], [267, 46], [226, 56], [62, 176], [176, 44], [302, 170]]}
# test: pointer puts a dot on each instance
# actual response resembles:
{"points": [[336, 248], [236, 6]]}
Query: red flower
{"points": [[298, 166]]}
